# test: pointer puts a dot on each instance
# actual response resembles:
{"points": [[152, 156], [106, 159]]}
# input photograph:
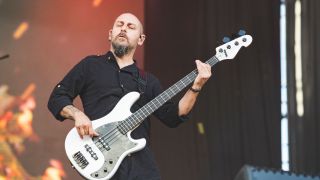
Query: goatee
{"points": [[120, 50]]}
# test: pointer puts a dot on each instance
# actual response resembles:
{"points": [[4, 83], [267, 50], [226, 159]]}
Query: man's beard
{"points": [[120, 50]]}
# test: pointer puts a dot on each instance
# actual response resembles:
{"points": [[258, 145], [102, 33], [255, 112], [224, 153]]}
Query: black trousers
{"points": [[138, 166]]}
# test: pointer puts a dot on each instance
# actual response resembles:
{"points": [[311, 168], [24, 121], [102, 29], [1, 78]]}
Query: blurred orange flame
{"points": [[96, 3], [28, 104], [15, 127], [55, 171], [25, 122], [28, 92], [22, 28]]}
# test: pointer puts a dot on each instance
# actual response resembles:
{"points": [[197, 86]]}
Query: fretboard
{"points": [[138, 117]]}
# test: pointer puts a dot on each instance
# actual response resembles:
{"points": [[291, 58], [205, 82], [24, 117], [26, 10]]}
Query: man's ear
{"points": [[110, 34], [141, 39]]}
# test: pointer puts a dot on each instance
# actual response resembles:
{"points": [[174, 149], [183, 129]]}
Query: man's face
{"points": [[126, 32]]}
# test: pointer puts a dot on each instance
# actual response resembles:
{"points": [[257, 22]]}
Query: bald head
{"points": [[132, 18], [126, 34]]}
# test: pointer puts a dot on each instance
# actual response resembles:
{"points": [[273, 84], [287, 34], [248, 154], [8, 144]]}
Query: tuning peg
{"points": [[226, 39], [241, 32]]}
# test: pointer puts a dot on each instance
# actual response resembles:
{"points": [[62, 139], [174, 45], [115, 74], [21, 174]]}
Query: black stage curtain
{"points": [[239, 106], [305, 134]]}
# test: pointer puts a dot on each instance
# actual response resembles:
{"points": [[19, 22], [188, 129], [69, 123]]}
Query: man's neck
{"points": [[125, 60]]}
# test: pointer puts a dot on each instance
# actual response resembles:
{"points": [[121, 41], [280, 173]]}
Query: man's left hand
{"points": [[204, 73]]}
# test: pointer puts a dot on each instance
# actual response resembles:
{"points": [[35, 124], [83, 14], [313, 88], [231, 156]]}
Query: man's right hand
{"points": [[84, 125], [82, 122]]}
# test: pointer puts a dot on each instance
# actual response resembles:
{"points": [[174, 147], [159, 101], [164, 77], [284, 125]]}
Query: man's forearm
{"points": [[82, 122], [187, 102], [69, 112]]}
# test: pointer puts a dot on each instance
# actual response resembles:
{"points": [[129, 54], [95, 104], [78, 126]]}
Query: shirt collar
{"points": [[132, 68]]}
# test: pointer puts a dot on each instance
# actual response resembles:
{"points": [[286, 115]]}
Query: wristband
{"points": [[194, 90]]}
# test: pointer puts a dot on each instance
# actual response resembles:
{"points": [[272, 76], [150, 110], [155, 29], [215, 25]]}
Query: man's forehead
{"points": [[127, 17]]}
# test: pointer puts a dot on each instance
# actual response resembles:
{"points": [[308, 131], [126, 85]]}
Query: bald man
{"points": [[101, 81]]}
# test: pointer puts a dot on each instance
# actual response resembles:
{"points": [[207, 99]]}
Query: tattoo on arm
{"points": [[69, 112]]}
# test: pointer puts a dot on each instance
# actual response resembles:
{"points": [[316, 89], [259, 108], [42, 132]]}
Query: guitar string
{"points": [[115, 131]]}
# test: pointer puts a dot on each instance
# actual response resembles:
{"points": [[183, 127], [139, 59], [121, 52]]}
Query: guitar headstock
{"points": [[230, 49]]}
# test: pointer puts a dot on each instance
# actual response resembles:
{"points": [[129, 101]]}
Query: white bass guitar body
{"points": [[100, 157]]}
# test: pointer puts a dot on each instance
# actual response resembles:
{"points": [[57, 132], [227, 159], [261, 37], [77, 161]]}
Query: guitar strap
{"points": [[142, 81], [142, 86]]}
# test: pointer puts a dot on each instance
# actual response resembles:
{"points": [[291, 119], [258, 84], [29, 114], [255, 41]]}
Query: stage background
{"points": [[239, 107], [236, 120], [60, 33], [304, 130]]}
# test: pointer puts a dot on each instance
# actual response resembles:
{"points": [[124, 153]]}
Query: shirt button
{"points": [[59, 85], [121, 85]]}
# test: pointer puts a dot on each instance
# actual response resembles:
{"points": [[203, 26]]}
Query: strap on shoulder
{"points": [[142, 81]]}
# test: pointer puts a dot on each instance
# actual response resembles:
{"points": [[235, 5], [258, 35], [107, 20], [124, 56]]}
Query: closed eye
{"points": [[119, 23], [132, 26]]}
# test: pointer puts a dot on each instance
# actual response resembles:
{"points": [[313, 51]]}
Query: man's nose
{"points": [[124, 28]]}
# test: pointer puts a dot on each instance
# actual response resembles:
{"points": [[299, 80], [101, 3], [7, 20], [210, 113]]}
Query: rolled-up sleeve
{"points": [[64, 92], [169, 112]]}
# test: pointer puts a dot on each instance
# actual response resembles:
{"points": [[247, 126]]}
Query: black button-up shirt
{"points": [[101, 83]]}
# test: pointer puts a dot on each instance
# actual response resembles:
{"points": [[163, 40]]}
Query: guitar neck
{"points": [[138, 117]]}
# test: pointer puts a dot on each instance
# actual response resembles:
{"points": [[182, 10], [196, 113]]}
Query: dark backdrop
{"points": [[239, 106], [304, 130], [311, 80]]}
